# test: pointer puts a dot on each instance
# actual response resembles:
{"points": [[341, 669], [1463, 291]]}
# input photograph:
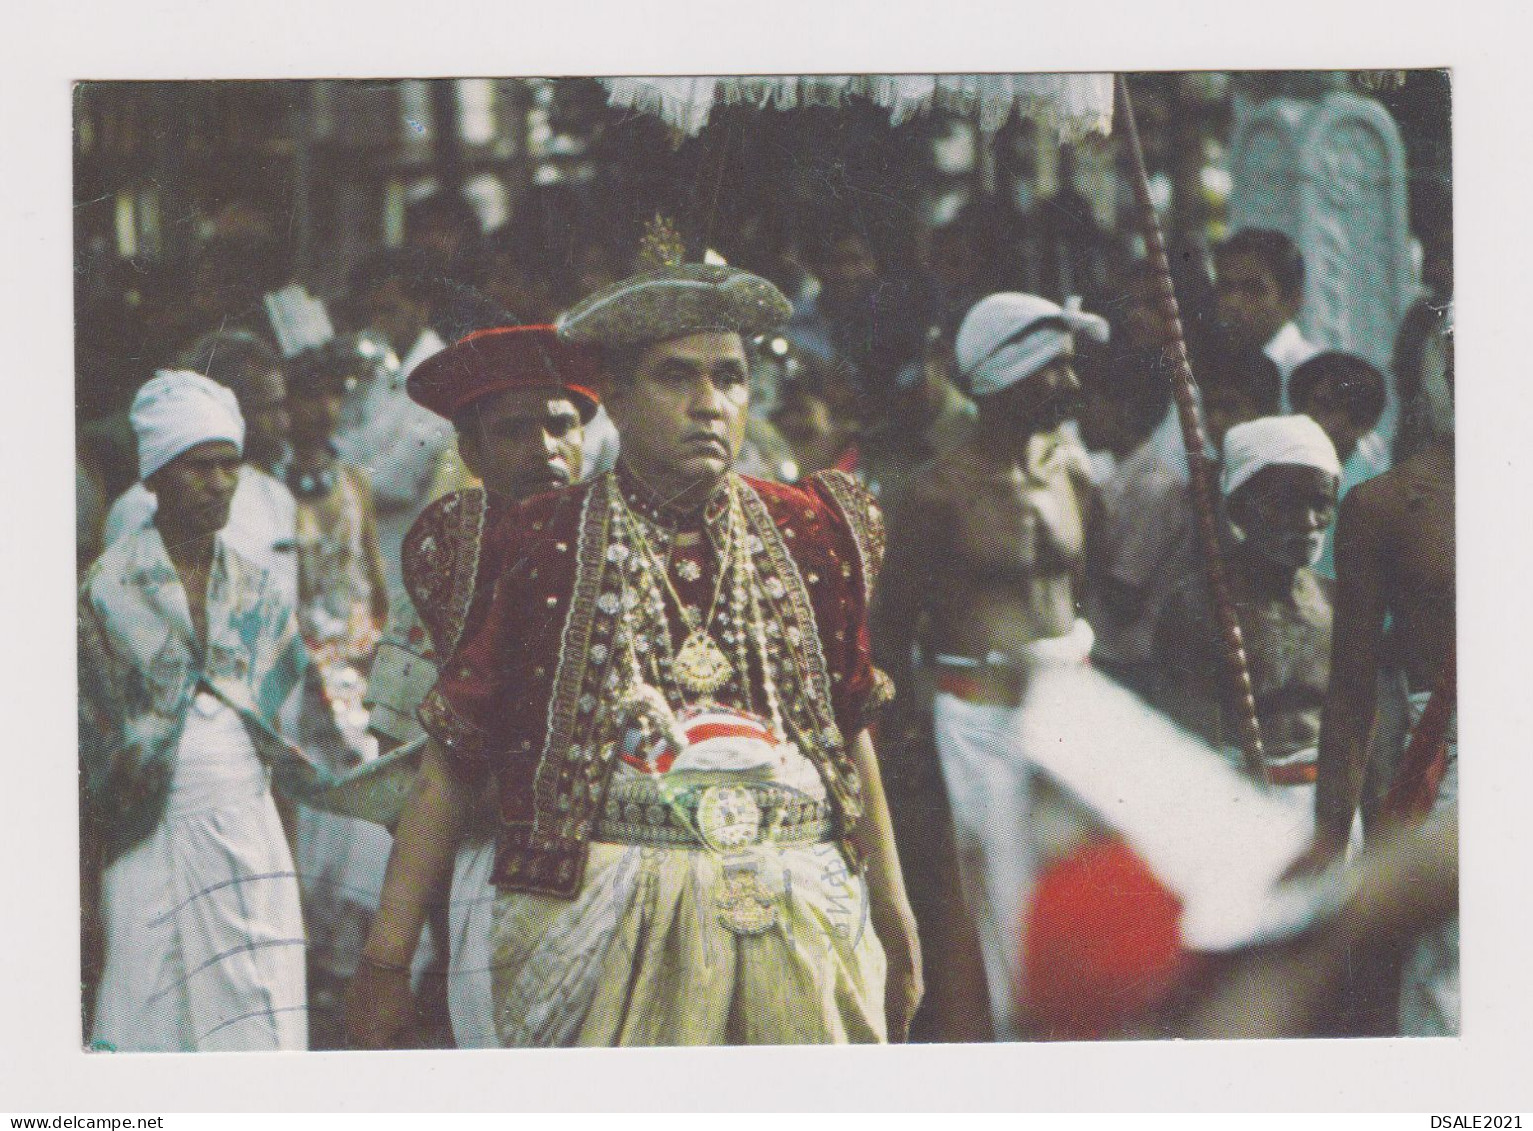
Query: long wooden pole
{"points": [[1237, 675]]}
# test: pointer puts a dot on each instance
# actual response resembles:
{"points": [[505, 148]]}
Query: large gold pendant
{"points": [[744, 904], [700, 665]]}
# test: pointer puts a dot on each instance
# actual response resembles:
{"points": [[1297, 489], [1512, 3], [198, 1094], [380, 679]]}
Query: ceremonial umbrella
{"points": [[1072, 104]]}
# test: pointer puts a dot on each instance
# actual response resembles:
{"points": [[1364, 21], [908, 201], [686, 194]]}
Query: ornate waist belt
{"points": [[721, 817]]}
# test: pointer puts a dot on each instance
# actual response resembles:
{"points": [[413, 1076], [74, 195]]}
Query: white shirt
{"points": [[396, 440], [1288, 350], [600, 446], [262, 526], [398, 443]]}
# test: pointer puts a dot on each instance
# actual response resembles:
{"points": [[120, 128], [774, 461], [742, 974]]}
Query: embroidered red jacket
{"points": [[519, 696]]}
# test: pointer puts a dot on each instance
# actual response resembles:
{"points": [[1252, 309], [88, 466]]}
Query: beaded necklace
{"points": [[700, 667]]}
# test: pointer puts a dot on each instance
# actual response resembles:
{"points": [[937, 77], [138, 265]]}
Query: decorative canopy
{"points": [[1074, 104]]}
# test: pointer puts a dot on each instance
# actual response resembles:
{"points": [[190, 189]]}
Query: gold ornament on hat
{"points": [[662, 245]]}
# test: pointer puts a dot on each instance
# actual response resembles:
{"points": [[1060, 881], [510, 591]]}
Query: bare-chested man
{"points": [[1395, 560], [986, 549]]}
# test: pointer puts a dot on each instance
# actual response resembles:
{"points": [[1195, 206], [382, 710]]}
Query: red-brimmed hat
{"points": [[506, 357]]}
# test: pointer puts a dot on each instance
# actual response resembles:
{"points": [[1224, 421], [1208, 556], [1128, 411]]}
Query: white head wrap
{"points": [[1261, 443], [177, 410], [1008, 337]]}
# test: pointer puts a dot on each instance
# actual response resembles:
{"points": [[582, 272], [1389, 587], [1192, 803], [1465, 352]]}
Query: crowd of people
{"points": [[571, 643]]}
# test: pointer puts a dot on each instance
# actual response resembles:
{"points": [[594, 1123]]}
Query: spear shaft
{"points": [[1236, 672]]}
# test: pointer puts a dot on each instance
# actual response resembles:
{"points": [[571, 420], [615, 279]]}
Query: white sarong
{"points": [[470, 919], [204, 933], [995, 821], [1429, 982]]}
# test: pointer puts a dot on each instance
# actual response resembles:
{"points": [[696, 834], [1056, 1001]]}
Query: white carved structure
{"points": [[1331, 175]]}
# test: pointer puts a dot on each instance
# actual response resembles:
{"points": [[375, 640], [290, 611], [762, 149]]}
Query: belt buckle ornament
{"points": [[728, 817], [745, 906]]}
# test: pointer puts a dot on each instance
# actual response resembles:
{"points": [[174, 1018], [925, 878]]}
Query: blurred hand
{"points": [[903, 988], [380, 1007]]}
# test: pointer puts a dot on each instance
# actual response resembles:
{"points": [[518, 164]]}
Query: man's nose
{"points": [[552, 445], [707, 401]]}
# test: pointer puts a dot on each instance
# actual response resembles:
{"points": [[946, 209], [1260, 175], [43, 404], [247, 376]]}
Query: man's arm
{"points": [[379, 1004], [903, 585], [376, 574], [1357, 639], [893, 921]]}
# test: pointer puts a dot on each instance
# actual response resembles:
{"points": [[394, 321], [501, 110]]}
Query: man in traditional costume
{"points": [[988, 547], [670, 683], [187, 650], [518, 397]]}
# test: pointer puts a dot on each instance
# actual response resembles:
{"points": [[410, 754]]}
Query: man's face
{"points": [[848, 271], [395, 315], [1039, 402], [193, 491], [1325, 406], [1284, 510], [1101, 420], [264, 407], [1251, 307], [522, 441], [681, 414]]}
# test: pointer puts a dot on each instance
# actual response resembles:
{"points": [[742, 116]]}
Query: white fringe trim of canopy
{"points": [[1072, 104]]}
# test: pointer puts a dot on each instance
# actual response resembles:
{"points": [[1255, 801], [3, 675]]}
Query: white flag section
{"points": [[1072, 104], [1218, 840]]}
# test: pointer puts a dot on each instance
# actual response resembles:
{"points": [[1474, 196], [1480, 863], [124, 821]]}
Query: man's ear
{"points": [[468, 450], [612, 389]]}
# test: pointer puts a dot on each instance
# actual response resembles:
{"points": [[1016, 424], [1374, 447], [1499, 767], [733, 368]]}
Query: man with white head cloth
{"points": [[1279, 482], [187, 650], [985, 550]]}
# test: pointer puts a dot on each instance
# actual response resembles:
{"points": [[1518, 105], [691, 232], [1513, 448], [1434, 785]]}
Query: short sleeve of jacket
{"points": [[490, 702], [856, 552], [464, 710]]}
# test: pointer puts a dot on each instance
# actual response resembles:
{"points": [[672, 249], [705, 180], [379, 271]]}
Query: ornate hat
{"points": [[673, 302], [506, 357]]}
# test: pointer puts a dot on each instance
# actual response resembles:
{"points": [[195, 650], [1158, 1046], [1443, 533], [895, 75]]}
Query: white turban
{"points": [[1261, 443], [1008, 337], [177, 410]]}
